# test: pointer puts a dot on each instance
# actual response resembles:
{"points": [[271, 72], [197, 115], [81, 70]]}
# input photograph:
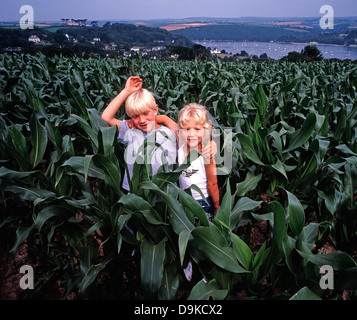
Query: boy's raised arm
{"points": [[132, 85]]}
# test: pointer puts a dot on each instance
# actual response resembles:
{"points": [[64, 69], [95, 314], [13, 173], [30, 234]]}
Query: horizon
{"points": [[191, 18], [105, 10]]}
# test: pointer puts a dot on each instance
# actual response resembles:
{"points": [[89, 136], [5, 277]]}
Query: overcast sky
{"points": [[54, 10]]}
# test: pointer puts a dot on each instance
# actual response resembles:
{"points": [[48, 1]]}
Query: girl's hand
{"points": [[209, 151], [133, 84], [130, 123]]}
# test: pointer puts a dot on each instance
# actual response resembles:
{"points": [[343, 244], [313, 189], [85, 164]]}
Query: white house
{"points": [[34, 39], [135, 49], [215, 51]]}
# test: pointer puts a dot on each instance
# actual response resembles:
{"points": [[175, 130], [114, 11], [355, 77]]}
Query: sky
{"points": [[55, 10]]}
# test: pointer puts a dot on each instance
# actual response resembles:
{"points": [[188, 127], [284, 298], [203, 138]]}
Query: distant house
{"points": [[13, 49], [215, 51], [34, 39], [110, 47], [158, 48], [135, 49], [96, 39]]}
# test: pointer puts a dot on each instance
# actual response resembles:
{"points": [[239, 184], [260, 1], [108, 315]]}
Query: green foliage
{"points": [[293, 140]]}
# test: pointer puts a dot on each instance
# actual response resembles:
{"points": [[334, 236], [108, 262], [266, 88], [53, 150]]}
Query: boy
{"points": [[141, 107]]}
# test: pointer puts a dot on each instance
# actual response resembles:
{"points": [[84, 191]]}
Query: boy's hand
{"points": [[133, 84], [209, 151]]}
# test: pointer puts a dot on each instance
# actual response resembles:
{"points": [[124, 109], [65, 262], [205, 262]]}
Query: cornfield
{"points": [[293, 139]]}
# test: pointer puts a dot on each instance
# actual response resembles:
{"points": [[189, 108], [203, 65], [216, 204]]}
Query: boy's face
{"points": [[145, 121], [192, 133]]}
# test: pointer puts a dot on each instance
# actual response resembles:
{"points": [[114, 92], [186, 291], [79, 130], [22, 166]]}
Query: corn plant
{"points": [[293, 140]]}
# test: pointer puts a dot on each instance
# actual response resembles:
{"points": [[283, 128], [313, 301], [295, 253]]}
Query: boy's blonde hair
{"points": [[138, 100], [197, 112]]}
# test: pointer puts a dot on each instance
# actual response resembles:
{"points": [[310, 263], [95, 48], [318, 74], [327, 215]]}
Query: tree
{"points": [[293, 57], [312, 53], [244, 53]]}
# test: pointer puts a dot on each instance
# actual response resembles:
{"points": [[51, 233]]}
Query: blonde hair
{"points": [[138, 100], [197, 112]]}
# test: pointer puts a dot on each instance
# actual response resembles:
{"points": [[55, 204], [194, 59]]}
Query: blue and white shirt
{"points": [[164, 152]]}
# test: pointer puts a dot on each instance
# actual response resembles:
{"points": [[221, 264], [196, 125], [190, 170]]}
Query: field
{"points": [[288, 201], [178, 26]]}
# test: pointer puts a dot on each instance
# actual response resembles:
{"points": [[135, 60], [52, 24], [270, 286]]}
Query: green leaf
{"points": [[305, 294], [250, 183], [242, 251], [51, 211], [170, 283], [279, 167], [221, 256], [6, 173], [248, 148], [309, 234], [262, 100], [224, 212], [296, 214], [279, 232], [205, 291], [38, 141], [21, 236], [182, 244], [85, 167], [30, 194], [278, 143], [86, 162], [299, 137], [108, 136], [178, 218], [152, 265], [91, 275], [243, 204], [110, 169], [140, 205], [337, 260], [193, 206], [92, 133], [76, 99]]}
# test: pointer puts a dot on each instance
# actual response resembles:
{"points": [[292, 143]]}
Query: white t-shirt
{"points": [[194, 174], [164, 152]]}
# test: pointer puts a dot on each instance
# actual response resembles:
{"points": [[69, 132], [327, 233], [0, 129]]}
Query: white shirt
{"points": [[165, 149], [194, 174]]}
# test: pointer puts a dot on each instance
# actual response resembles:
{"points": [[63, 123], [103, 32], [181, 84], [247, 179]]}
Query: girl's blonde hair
{"points": [[138, 100], [197, 112]]}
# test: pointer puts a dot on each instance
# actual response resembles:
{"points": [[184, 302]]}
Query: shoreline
{"points": [[281, 42], [321, 44]]}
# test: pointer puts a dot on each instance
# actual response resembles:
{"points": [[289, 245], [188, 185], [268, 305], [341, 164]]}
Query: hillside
{"points": [[264, 29], [240, 32], [91, 39]]}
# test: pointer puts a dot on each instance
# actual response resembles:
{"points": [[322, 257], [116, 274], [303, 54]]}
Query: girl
{"points": [[193, 132]]}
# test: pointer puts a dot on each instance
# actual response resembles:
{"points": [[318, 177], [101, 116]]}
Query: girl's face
{"points": [[145, 121], [193, 133]]}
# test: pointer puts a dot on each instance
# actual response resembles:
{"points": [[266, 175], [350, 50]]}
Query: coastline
{"points": [[277, 50], [320, 44]]}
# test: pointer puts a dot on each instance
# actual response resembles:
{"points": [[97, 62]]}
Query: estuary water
{"points": [[276, 50]]}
